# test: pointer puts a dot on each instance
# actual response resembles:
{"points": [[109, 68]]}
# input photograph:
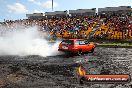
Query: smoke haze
{"points": [[26, 42]]}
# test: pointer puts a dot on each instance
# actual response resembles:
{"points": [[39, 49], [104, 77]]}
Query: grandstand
{"points": [[121, 10], [56, 14], [84, 12], [35, 16], [82, 23]]}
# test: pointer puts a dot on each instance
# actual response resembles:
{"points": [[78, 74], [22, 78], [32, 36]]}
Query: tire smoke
{"points": [[24, 42]]}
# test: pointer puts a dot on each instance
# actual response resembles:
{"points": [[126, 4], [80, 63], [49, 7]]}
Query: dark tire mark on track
{"points": [[60, 71]]}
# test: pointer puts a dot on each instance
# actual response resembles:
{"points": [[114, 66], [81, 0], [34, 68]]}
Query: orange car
{"points": [[76, 46]]}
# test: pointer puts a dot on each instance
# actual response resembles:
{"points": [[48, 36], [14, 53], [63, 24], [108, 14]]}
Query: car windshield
{"points": [[67, 42]]}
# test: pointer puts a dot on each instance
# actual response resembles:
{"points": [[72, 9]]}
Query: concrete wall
{"points": [[55, 13], [83, 12], [110, 10], [34, 14]]}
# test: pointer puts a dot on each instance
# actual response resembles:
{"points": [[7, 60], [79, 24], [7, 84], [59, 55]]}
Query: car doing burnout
{"points": [[76, 46]]}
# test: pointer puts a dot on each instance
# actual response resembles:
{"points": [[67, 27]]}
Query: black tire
{"points": [[92, 50], [81, 82], [79, 52], [82, 79]]}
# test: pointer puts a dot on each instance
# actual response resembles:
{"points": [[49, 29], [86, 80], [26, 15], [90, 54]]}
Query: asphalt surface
{"points": [[61, 71]]}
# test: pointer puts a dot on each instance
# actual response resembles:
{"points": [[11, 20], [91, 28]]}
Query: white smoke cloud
{"points": [[48, 4], [26, 42], [38, 11], [17, 8], [45, 4]]}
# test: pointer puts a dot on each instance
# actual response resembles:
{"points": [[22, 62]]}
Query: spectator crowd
{"points": [[107, 27]]}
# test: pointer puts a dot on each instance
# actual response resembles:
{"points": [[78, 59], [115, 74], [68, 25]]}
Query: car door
{"points": [[83, 45]]}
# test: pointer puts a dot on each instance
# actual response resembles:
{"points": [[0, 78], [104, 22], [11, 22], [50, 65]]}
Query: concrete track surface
{"points": [[61, 71]]}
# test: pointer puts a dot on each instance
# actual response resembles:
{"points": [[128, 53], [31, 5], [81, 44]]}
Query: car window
{"points": [[80, 42], [67, 42], [86, 42], [77, 42]]}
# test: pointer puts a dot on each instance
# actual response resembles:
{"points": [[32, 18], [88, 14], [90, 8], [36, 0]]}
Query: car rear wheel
{"points": [[79, 52], [92, 50], [82, 80]]}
